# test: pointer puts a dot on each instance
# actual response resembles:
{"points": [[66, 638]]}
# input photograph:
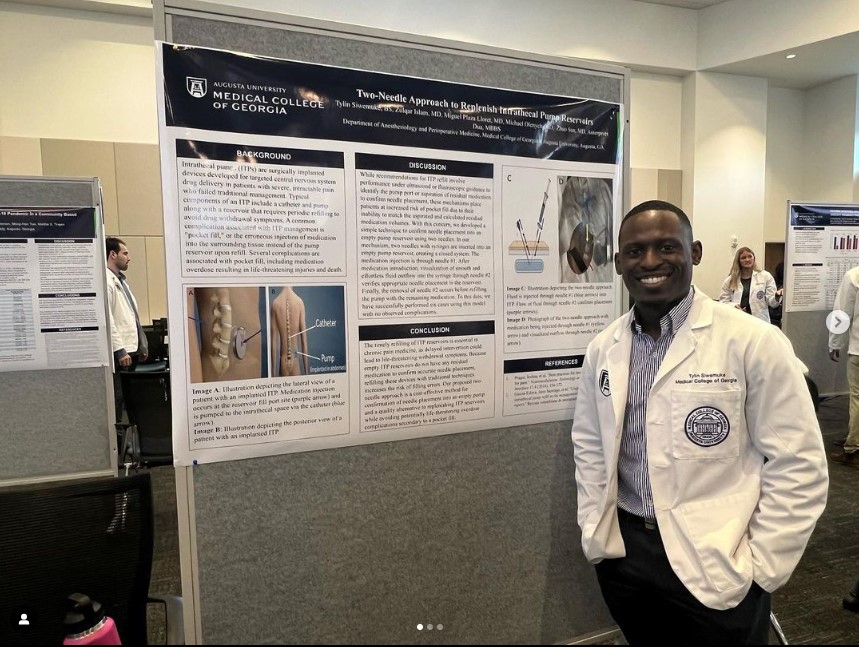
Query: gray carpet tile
{"points": [[809, 605], [166, 578]]}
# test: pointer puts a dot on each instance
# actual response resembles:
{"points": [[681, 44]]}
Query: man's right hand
{"points": [[834, 354], [125, 361]]}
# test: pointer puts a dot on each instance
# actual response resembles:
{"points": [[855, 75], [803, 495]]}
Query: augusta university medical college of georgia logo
{"points": [[605, 389], [196, 87], [707, 426]]}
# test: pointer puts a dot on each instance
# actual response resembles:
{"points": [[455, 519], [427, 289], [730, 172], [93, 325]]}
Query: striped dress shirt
{"points": [[633, 492]]}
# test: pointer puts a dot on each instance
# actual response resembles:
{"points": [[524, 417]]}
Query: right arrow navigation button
{"points": [[837, 322]]}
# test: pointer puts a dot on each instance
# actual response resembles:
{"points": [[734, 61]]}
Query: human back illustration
{"points": [[225, 327], [288, 333]]}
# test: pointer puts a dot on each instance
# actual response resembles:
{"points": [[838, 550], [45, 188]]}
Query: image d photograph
{"points": [[585, 229]]}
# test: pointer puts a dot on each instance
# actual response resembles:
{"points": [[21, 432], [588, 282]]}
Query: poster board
{"points": [[51, 289], [366, 257], [473, 531], [822, 244], [57, 394]]}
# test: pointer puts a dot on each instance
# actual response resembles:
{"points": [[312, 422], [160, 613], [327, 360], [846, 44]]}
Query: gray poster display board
{"points": [[56, 423], [822, 244], [473, 534]]}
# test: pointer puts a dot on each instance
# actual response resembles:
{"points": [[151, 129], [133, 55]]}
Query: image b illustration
{"points": [[307, 330], [289, 334]]}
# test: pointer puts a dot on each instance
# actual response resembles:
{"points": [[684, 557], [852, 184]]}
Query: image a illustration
{"points": [[226, 335], [585, 229], [528, 252], [307, 330]]}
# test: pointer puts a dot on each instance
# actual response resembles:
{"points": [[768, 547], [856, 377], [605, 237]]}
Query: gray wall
{"points": [[810, 338]]}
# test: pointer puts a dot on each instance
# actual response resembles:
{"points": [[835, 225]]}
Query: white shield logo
{"points": [[196, 87], [605, 389]]}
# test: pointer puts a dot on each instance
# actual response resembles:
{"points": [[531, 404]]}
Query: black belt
{"points": [[635, 520]]}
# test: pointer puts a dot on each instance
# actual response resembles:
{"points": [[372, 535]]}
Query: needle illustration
{"points": [[524, 241], [540, 219]]}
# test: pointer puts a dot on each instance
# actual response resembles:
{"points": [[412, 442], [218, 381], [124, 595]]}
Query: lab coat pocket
{"points": [[706, 423], [718, 529]]}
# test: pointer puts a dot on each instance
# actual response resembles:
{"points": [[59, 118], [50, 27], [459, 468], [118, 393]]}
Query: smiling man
{"points": [[700, 477]]}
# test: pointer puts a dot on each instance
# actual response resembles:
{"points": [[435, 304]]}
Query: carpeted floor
{"points": [[166, 577], [808, 607]]}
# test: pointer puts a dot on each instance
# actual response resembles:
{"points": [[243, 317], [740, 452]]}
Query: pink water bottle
{"points": [[86, 623]]}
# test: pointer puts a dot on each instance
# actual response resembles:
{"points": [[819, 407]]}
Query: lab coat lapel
{"points": [[686, 340], [617, 360], [682, 346]]}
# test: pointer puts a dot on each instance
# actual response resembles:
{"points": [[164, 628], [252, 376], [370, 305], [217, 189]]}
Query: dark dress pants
{"points": [[118, 398], [652, 606]]}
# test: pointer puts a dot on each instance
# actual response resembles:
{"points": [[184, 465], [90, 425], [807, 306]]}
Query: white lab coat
{"points": [[845, 299], [761, 294], [123, 323], [726, 516]]}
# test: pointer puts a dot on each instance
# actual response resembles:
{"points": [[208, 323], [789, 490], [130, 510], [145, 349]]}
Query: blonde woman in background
{"points": [[749, 288]]}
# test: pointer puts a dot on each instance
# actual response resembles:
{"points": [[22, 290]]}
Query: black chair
{"points": [[156, 340], [147, 439], [91, 536]]}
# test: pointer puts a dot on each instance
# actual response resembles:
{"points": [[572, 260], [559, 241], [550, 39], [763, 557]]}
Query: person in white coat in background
{"points": [[846, 300], [700, 478], [749, 288], [127, 339]]}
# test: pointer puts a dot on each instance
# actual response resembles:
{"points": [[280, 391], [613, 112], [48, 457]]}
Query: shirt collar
{"points": [[672, 321]]}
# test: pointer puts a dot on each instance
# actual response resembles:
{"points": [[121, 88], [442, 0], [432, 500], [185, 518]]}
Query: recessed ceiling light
{"points": [[791, 56]]}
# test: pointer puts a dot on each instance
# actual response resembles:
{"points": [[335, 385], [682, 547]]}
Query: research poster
{"points": [[52, 312], [823, 243], [358, 257]]}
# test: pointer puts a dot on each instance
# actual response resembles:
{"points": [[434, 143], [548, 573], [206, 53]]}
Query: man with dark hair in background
{"points": [[700, 477], [128, 341]]}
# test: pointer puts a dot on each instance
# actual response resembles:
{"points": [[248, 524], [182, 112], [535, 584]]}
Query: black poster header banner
{"points": [[395, 164], [257, 154], [61, 224], [416, 331], [804, 216], [228, 92], [532, 364]]}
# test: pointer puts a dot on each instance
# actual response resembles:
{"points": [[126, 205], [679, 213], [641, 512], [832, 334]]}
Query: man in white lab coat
{"points": [[128, 341], [700, 467], [845, 300]]}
